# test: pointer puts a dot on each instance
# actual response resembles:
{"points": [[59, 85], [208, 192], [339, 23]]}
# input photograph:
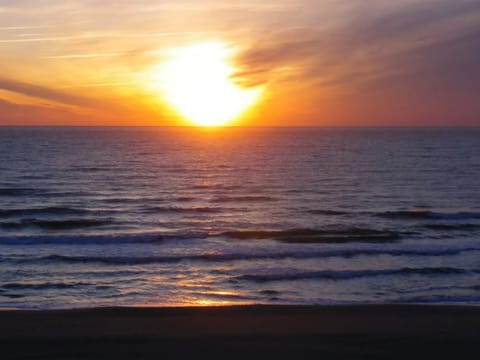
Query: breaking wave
{"points": [[142, 238], [54, 224], [52, 210], [248, 198], [318, 236], [227, 257], [175, 209], [350, 274], [429, 215]]}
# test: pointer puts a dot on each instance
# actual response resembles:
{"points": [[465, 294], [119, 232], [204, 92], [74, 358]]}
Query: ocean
{"points": [[186, 216]]}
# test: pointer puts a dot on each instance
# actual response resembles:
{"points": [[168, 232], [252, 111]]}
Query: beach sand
{"points": [[242, 332]]}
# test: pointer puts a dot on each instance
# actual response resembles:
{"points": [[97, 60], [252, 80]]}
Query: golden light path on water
{"points": [[197, 81]]}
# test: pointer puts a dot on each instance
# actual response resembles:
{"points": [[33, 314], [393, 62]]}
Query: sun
{"points": [[197, 81]]}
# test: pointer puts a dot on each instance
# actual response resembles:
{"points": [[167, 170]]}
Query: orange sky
{"points": [[319, 62]]}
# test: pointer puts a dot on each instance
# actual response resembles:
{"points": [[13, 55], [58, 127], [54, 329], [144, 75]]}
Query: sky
{"points": [[319, 62]]}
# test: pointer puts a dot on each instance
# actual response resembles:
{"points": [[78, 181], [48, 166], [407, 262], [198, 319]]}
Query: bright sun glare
{"points": [[197, 82]]}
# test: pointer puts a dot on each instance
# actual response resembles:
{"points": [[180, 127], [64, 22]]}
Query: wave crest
{"points": [[427, 214], [349, 274], [318, 236], [54, 224]]}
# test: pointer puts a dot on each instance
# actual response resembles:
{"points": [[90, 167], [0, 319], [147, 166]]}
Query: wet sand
{"points": [[324, 332]]}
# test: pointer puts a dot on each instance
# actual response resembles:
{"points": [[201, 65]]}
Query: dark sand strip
{"points": [[323, 332]]}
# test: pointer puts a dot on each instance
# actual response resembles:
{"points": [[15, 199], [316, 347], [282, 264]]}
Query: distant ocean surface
{"points": [[184, 216]]}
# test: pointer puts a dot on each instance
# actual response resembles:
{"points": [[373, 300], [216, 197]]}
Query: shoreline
{"points": [[238, 306], [280, 331]]}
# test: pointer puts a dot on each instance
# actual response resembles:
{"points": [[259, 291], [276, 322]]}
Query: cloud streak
{"points": [[366, 43], [46, 93]]}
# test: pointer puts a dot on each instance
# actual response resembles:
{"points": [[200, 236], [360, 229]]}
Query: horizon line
{"points": [[251, 126]]}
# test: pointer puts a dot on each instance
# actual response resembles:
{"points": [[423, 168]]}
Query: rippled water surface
{"points": [[179, 216]]}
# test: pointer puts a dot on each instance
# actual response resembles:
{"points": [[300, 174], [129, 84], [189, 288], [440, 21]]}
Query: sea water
{"points": [[186, 216]]}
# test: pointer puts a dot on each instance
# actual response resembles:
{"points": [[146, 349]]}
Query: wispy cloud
{"points": [[21, 114], [10, 28], [100, 84], [367, 48], [46, 93], [99, 35], [83, 56], [46, 39]]}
